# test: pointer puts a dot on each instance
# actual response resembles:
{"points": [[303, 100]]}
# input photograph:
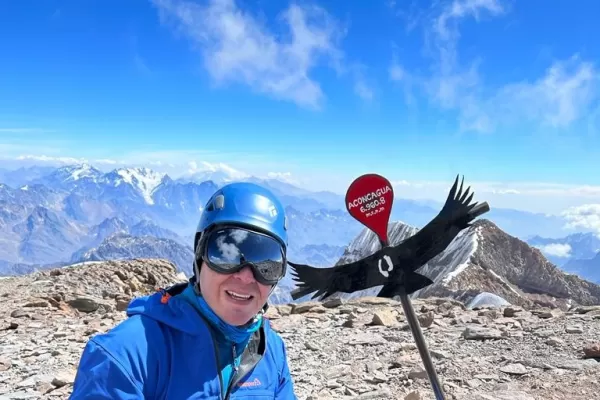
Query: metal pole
{"points": [[415, 327]]}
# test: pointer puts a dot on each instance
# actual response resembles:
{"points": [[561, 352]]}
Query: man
{"points": [[205, 338]]}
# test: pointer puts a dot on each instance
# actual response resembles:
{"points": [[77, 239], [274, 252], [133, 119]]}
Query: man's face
{"points": [[220, 290]]}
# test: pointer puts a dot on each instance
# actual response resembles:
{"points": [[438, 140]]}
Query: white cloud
{"points": [[237, 47], [556, 249], [397, 72], [505, 191], [562, 96], [51, 159], [207, 167], [460, 9], [25, 130], [566, 93], [363, 90], [106, 161], [512, 188], [540, 197], [63, 160], [584, 217], [284, 177]]}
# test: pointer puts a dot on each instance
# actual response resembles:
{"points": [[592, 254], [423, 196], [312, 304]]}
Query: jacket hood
{"points": [[173, 311]]}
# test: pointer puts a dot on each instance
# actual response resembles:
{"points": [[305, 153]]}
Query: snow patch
{"points": [[504, 281], [144, 180], [459, 253], [83, 264], [367, 243], [83, 171]]}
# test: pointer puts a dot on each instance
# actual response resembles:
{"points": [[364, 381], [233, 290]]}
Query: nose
{"points": [[245, 275]]}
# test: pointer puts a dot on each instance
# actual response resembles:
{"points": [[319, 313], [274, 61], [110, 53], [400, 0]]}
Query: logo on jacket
{"points": [[253, 383]]}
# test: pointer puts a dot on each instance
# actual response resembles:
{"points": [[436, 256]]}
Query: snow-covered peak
{"points": [[143, 179], [367, 243], [75, 172], [84, 170]]}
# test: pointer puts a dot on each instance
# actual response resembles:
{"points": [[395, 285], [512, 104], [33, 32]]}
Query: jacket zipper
{"points": [[235, 379], [233, 375], [216, 347]]}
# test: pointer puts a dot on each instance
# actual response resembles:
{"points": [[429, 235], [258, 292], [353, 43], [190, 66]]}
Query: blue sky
{"points": [[504, 92]]}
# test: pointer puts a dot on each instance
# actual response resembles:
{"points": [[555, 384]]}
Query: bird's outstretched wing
{"points": [[347, 278], [456, 214]]}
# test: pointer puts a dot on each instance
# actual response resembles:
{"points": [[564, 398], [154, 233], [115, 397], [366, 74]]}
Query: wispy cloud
{"points": [[237, 47], [561, 97], [139, 61], [141, 64], [363, 90], [26, 130], [543, 197], [513, 188], [562, 250], [204, 166], [287, 177], [584, 217], [568, 91], [51, 159]]}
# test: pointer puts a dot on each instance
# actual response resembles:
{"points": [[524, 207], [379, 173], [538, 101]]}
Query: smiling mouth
{"points": [[238, 296]]}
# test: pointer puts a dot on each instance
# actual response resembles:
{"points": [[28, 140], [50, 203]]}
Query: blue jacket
{"points": [[164, 350]]}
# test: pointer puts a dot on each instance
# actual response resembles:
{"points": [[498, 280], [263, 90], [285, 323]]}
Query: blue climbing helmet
{"points": [[243, 224]]}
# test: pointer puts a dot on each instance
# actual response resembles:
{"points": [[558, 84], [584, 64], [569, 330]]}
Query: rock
{"points": [[592, 350], [546, 313], [574, 329], [304, 307], [503, 395], [84, 304], [555, 342], [417, 373], [64, 378], [511, 311], [384, 317], [5, 364], [413, 396], [37, 303], [426, 320], [122, 304], [514, 369], [480, 333]]}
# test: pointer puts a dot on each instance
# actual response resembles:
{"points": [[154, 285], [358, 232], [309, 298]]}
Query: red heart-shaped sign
{"points": [[369, 200]]}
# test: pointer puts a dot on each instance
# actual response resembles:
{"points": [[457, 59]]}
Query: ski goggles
{"points": [[228, 250]]}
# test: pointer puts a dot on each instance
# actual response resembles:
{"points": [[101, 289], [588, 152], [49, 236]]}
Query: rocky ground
{"points": [[355, 349]]}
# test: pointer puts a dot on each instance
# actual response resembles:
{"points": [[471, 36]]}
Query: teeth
{"points": [[239, 296]]}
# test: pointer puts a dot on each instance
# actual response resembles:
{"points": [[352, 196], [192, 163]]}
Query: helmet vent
{"points": [[219, 202]]}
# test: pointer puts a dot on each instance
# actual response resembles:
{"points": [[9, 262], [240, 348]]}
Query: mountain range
{"points": [[52, 216], [578, 253]]}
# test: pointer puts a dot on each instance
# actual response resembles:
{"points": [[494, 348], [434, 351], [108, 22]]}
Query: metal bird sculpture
{"points": [[393, 266], [369, 199]]}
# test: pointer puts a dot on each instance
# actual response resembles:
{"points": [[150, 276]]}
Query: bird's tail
{"points": [[415, 281], [411, 282], [310, 279]]}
